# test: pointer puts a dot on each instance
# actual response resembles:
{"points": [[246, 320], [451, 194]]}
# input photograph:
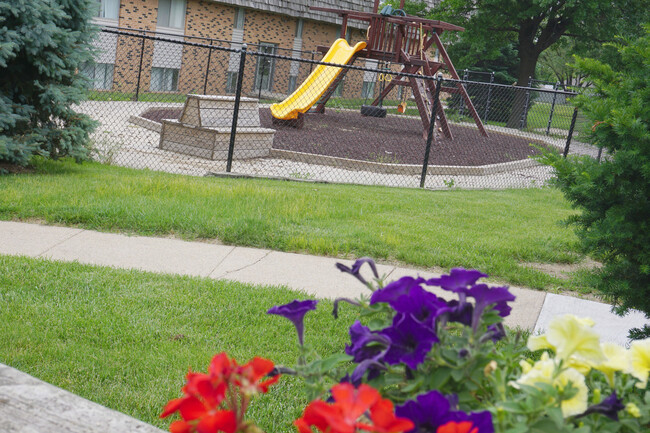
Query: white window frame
{"points": [[174, 5], [107, 70], [167, 75], [258, 83], [240, 18]]}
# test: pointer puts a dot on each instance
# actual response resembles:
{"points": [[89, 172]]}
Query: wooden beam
{"points": [[461, 88]]}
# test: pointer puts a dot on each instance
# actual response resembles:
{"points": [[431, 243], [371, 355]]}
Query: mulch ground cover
{"points": [[393, 139]]}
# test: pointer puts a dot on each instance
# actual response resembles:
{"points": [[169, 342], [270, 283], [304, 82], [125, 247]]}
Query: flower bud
{"points": [[633, 410], [490, 368], [596, 395]]}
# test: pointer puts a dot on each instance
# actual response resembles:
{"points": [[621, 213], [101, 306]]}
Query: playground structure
{"points": [[399, 39]]}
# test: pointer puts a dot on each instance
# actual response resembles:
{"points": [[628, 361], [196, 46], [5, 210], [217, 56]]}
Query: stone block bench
{"points": [[204, 128]]}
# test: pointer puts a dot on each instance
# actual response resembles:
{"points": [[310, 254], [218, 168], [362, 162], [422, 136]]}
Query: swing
{"points": [[373, 110], [401, 108]]}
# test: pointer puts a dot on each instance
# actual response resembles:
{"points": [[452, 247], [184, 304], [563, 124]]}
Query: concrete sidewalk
{"points": [[31, 405], [316, 276]]}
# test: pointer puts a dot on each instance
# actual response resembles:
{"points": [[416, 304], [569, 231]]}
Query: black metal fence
{"points": [[184, 106]]}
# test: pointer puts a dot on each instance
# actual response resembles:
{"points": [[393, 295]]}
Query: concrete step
{"points": [[213, 143], [29, 405], [217, 111]]}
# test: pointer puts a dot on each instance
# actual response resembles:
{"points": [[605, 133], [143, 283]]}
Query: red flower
{"points": [[458, 427], [250, 374], [383, 417], [202, 408], [349, 405]]}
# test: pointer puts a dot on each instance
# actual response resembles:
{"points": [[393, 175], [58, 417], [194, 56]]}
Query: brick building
{"points": [[285, 27]]}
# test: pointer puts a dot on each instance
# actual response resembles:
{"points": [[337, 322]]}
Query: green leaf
{"points": [[333, 361], [457, 374], [439, 378]]}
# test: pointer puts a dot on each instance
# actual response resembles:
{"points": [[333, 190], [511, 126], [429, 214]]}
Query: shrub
{"points": [[614, 195], [42, 45]]}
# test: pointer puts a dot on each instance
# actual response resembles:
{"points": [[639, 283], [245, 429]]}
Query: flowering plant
{"points": [[421, 362]]}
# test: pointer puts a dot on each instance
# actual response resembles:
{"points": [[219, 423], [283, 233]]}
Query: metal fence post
{"points": [[432, 128], [550, 116], [235, 112], [207, 71], [137, 87], [524, 115], [462, 101], [573, 124], [489, 96]]}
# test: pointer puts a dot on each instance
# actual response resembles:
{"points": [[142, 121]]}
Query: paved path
{"points": [[316, 276]]}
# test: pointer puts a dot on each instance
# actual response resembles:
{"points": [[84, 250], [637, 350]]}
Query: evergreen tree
{"points": [[614, 195], [42, 45]]}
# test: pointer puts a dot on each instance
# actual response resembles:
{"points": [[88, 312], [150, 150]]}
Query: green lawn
{"points": [[562, 115], [98, 95], [125, 339], [494, 231]]}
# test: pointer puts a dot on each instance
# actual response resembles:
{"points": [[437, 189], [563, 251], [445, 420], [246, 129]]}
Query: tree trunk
{"points": [[528, 61]]}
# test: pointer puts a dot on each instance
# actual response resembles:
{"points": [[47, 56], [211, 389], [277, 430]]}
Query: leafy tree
{"points": [[535, 25], [42, 45], [614, 196]]}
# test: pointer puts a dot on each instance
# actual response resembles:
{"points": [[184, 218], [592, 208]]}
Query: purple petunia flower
{"points": [[395, 289], [367, 349], [356, 268], [608, 407], [485, 296], [295, 311], [421, 305], [460, 312], [365, 343], [432, 410], [458, 279], [410, 341]]}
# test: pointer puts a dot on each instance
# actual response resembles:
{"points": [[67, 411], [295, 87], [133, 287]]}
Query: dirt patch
{"points": [[392, 140], [14, 169], [563, 270]]}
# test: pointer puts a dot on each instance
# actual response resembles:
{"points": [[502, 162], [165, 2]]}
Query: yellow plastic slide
{"points": [[317, 83]]}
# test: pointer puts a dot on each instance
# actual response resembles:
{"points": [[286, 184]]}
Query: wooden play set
{"points": [[404, 39]]}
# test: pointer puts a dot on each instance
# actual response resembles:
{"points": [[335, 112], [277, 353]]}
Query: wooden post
{"points": [[376, 7]]}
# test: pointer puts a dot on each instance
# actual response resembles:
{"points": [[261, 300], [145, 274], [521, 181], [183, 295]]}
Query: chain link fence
{"points": [[185, 106]]}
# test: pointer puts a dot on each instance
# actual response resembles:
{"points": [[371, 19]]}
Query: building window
{"points": [[348, 34], [231, 82], [109, 9], [171, 13], [368, 89], [264, 70], [240, 18], [338, 92], [164, 80], [99, 74], [299, 26], [292, 83]]}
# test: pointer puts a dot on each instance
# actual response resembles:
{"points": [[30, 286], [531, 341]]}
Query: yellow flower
{"points": [[538, 342], [616, 360], [525, 366], [578, 403], [571, 336], [541, 372], [545, 371], [633, 410], [639, 365]]}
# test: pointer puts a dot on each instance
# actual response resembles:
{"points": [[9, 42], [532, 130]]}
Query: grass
{"points": [[494, 231], [125, 339], [562, 114], [95, 95]]}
